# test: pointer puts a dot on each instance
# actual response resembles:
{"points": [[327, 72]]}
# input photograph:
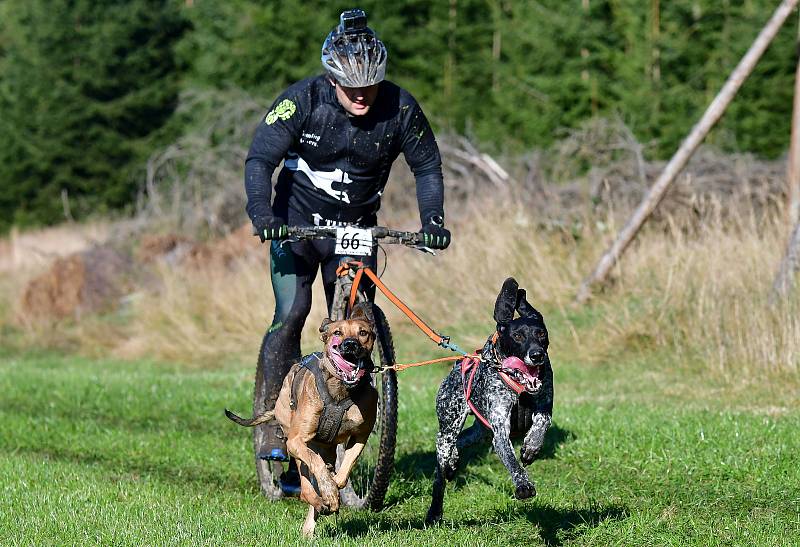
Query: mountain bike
{"points": [[369, 479]]}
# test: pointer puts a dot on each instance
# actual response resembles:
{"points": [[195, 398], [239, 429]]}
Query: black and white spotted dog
{"points": [[509, 389]]}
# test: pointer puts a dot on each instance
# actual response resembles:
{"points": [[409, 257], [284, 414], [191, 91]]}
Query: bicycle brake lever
{"points": [[425, 249]]}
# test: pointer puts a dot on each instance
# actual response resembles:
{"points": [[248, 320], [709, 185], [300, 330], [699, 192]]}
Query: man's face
{"points": [[356, 100]]}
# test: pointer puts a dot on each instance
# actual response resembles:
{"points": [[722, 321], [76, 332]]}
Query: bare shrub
{"points": [[195, 185], [600, 166], [171, 248]]}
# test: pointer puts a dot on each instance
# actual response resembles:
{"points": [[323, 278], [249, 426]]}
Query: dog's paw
{"points": [[330, 496], [319, 506], [331, 505], [433, 516], [341, 482], [328, 504], [525, 491], [527, 455]]}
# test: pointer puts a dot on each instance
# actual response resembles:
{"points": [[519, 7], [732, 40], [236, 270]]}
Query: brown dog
{"points": [[316, 421]]}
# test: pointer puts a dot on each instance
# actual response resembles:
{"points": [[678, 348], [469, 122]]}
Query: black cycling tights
{"points": [[293, 270]]}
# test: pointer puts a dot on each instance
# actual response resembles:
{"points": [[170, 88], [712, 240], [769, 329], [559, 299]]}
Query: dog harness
{"points": [[330, 421], [469, 366]]}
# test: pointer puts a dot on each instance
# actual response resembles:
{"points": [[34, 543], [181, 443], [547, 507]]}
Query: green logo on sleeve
{"points": [[283, 111]]}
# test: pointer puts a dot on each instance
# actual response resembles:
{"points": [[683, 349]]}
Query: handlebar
{"points": [[387, 235]]}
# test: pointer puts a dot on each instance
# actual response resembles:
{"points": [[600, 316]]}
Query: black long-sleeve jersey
{"points": [[336, 165]]}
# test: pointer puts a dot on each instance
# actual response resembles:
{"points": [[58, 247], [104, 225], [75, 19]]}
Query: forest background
{"points": [[90, 90]]}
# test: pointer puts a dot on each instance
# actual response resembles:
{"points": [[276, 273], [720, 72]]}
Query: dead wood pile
{"points": [[86, 282]]}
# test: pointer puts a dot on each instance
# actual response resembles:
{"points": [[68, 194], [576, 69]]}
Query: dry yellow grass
{"points": [[221, 313], [24, 250], [699, 297], [704, 297]]}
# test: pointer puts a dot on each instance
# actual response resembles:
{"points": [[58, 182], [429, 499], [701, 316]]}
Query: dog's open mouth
{"points": [[349, 366], [525, 375]]}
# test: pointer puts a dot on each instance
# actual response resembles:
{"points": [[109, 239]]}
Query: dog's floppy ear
{"points": [[525, 309], [323, 329], [506, 302]]}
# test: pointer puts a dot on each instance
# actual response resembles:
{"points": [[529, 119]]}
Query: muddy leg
{"points": [[437, 503], [309, 495], [524, 488], [310, 523], [534, 439], [318, 469], [452, 411]]}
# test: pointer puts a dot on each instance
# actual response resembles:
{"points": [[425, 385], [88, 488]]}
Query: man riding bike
{"points": [[338, 135]]}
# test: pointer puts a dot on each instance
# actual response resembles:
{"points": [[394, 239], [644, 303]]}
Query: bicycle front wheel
{"points": [[370, 477], [267, 471]]}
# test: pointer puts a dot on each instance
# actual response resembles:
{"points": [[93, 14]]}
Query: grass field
{"points": [[675, 421], [641, 453]]}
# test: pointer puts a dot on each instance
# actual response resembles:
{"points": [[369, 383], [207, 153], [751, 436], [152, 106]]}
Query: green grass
{"points": [[108, 452]]}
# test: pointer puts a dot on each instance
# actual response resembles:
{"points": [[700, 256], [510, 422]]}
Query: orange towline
{"points": [[398, 366], [360, 270], [440, 340]]}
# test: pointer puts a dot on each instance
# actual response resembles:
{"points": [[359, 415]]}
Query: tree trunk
{"points": [[793, 164], [655, 36], [450, 59], [687, 148], [788, 268], [791, 258]]}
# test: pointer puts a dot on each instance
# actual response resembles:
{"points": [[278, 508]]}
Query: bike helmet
{"points": [[352, 53]]}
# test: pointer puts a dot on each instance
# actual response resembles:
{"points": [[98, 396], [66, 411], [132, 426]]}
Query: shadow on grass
{"points": [[415, 465], [156, 417], [556, 525], [413, 472]]}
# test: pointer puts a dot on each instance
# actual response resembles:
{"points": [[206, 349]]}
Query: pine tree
{"points": [[86, 89], [258, 46]]}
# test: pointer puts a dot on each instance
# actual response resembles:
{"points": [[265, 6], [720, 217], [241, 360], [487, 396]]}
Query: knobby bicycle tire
{"points": [[265, 470], [388, 410], [369, 479]]}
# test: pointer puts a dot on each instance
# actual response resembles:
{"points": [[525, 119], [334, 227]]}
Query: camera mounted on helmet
{"points": [[352, 54], [353, 21]]}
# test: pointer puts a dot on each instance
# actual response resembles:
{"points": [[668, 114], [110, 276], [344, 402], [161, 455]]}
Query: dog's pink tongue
{"points": [[515, 363], [340, 362]]}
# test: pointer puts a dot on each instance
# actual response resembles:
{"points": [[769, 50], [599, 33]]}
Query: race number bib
{"points": [[353, 241]]}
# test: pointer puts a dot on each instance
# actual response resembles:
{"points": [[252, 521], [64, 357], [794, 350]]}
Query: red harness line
{"points": [[469, 366]]}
